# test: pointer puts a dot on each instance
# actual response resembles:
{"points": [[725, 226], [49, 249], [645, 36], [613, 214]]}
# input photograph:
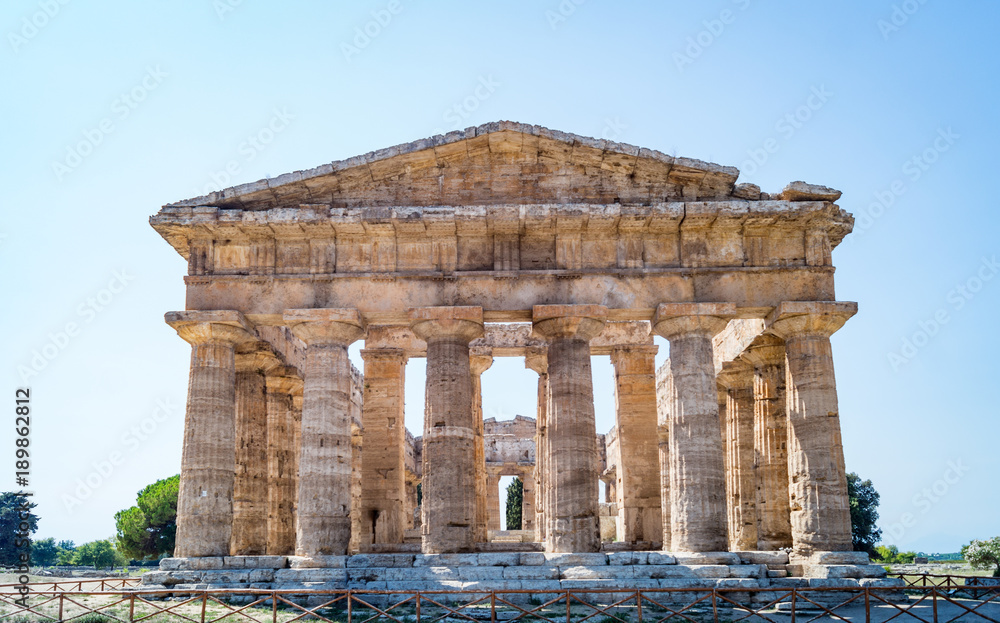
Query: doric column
{"points": [[665, 402], [282, 452], [480, 360], [323, 514], [536, 359], [820, 514], [572, 463], [767, 356], [638, 497], [697, 479], [495, 516], [383, 468], [741, 485], [208, 459], [250, 488], [528, 500], [449, 453]]}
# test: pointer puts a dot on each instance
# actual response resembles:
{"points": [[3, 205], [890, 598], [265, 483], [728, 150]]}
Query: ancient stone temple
{"points": [[512, 240]]}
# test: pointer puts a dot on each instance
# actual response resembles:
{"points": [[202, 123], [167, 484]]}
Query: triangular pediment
{"points": [[496, 163]]}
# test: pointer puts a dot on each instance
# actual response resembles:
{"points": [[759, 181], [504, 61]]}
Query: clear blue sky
{"points": [[113, 109]]}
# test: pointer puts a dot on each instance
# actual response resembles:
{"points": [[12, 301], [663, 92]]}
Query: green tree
{"points": [[148, 529], [515, 497], [66, 552], [101, 554], [45, 552], [12, 538], [983, 554], [891, 554], [864, 500]]}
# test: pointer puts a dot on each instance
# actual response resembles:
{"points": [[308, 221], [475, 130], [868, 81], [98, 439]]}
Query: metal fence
{"points": [[929, 604]]}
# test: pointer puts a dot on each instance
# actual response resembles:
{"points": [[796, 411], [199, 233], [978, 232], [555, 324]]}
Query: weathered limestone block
{"points": [[697, 479], [317, 562], [767, 356], [638, 487], [741, 484], [323, 520], [449, 469], [572, 463], [208, 459], [383, 472], [820, 514]]}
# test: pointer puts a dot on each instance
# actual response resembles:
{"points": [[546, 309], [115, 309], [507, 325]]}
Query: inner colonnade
{"points": [[510, 241]]}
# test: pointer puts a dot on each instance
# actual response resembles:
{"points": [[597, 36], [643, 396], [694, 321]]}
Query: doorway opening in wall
{"points": [[506, 484]]}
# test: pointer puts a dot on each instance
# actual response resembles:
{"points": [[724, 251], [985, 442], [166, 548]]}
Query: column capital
{"points": [[568, 321], [622, 355], [257, 357], [283, 380], [736, 374], [464, 323], [809, 318], [536, 359], [200, 327], [325, 326], [381, 354], [673, 320], [765, 350], [480, 359]]}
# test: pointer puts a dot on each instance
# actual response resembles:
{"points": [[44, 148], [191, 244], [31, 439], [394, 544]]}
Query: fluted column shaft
{"points": [[663, 454], [770, 443], [527, 501], [495, 516], [535, 359], [449, 453], [638, 496], [250, 488], [282, 452], [323, 514], [741, 485], [480, 362], [820, 511], [572, 462], [697, 477], [208, 458], [383, 468]]}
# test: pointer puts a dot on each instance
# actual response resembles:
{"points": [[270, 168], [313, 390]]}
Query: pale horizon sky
{"points": [[114, 110]]}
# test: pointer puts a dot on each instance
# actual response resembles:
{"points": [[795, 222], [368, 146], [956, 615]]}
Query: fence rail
{"points": [[103, 584], [931, 604]]}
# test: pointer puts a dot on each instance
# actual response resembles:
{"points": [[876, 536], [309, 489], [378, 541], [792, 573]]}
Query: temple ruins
{"points": [[511, 240]]}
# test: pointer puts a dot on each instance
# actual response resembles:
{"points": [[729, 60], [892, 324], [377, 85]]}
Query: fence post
{"points": [[568, 618], [204, 602], [350, 611], [493, 607], [793, 605], [934, 600], [418, 607], [60, 607], [131, 607], [715, 605], [868, 607], [638, 604]]}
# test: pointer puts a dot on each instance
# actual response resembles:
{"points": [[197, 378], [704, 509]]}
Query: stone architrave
{"points": [[449, 470], [697, 478], [282, 463], [208, 459], [767, 356], [383, 469], [480, 360], [638, 496], [820, 512], [741, 484], [323, 513], [572, 462], [250, 487]]}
